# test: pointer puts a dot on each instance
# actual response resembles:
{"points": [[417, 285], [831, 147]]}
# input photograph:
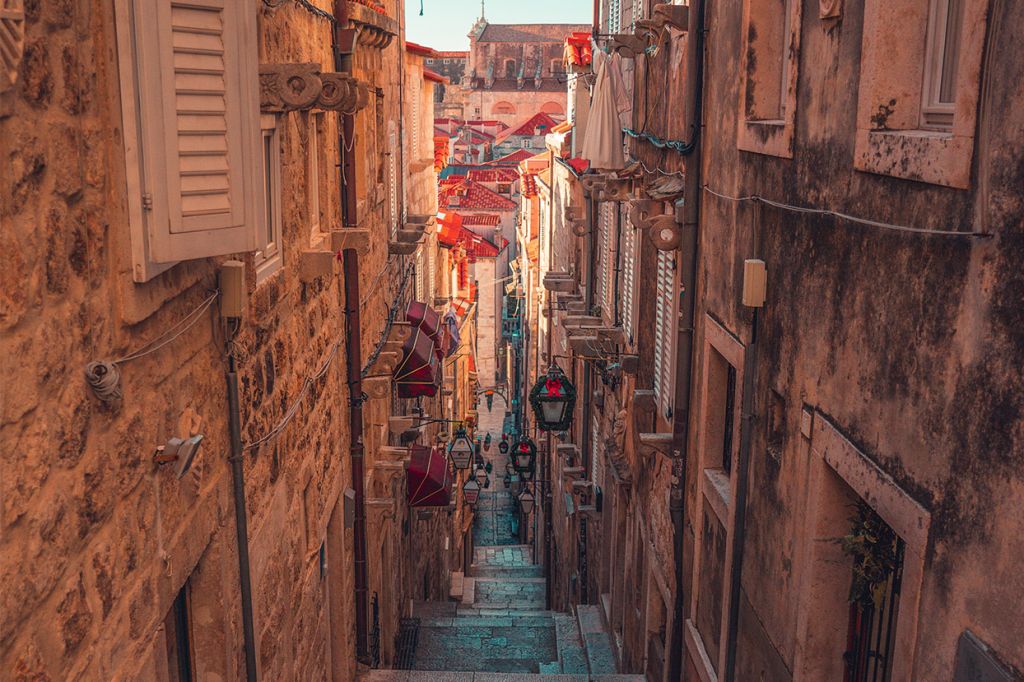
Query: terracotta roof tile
{"points": [[470, 195], [512, 159], [495, 174]]}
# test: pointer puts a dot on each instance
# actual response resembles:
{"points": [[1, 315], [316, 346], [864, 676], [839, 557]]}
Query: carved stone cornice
{"points": [[300, 87], [373, 29]]}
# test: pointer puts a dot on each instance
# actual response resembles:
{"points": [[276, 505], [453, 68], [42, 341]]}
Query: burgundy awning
{"points": [[419, 373], [426, 318], [429, 479]]}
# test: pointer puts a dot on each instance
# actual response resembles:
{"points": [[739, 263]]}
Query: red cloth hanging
{"points": [[429, 478], [421, 315]]}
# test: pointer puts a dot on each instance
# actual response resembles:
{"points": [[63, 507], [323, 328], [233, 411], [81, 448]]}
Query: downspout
{"points": [[693, 106], [742, 474], [551, 361], [343, 41], [241, 523]]}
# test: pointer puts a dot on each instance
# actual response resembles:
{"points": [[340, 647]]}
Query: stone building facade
{"points": [[516, 70], [118, 216], [792, 483]]}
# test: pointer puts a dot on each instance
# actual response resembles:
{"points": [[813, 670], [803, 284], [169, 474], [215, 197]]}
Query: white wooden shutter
{"points": [[665, 332], [189, 94], [614, 16], [604, 257], [629, 264], [392, 179], [431, 271]]}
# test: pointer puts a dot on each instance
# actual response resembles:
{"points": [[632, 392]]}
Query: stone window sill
{"points": [[770, 137], [934, 157], [718, 491]]}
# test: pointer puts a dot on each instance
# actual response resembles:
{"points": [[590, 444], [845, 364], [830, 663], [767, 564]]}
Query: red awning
{"points": [[418, 374], [428, 481], [426, 318]]}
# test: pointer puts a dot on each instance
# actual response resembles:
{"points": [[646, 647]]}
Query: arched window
{"points": [[510, 68], [553, 109], [503, 109]]}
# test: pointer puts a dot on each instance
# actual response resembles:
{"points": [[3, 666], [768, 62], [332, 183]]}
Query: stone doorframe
{"points": [[718, 488], [826, 573]]}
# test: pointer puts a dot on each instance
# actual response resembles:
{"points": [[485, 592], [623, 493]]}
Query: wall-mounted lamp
{"points": [[182, 451]]}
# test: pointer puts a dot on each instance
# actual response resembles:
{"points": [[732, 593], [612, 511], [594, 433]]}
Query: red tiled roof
{"points": [[529, 182], [471, 195], [512, 159], [538, 124], [433, 76], [579, 165], [478, 137], [416, 48], [452, 233], [495, 174], [481, 219]]}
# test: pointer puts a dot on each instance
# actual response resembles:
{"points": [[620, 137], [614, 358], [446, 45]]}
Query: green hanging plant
{"points": [[873, 546]]}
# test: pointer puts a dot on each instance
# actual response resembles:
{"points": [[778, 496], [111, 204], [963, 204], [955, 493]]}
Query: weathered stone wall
{"points": [[909, 344], [95, 539]]}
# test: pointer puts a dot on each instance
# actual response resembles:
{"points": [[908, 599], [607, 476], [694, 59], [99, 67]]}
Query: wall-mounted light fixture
{"points": [[182, 451]]}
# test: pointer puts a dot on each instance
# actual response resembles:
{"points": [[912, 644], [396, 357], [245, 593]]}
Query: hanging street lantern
{"points": [[524, 456], [481, 477], [489, 467], [487, 442], [526, 501], [503, 445], [471, 491], [461, 450], [553, 399]]}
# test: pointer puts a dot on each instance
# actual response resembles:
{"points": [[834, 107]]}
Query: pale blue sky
{"points": [[445, 23]]}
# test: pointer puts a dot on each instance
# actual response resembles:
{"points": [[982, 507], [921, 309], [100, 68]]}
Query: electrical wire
{"points": [[390, 321], [754, 198], [316, 11], [104, 376]]}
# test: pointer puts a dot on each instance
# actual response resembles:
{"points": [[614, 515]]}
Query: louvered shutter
{"points": [[191, 69], [431, 272], [665, 332], [614, 16], [604, 256], [628, 293], [392, 179]]}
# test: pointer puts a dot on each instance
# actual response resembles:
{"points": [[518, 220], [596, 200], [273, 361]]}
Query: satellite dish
{"points": [[181, 451]]}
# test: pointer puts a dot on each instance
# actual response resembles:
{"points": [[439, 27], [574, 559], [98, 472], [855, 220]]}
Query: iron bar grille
{"points": [[375, 633], [869, 643]]}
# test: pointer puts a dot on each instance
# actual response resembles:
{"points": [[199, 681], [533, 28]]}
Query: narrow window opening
{"points": [[178, 633]]}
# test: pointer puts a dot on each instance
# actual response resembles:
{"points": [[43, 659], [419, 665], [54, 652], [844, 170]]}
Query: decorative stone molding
{"points": [[373, 29], [651, 443], [300, 87]]}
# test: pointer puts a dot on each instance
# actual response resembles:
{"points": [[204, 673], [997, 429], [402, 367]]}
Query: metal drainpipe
{"points": [[353, 342], [551, 361], [685, 352], [742, 474], [241, 523]]}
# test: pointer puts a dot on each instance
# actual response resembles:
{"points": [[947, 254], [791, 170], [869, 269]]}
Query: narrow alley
{"points": [[512, 341], [498, 627]]}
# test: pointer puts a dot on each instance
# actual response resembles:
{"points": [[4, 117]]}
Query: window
{"points": [[942, 53], [415, 124], [178, 638], [313, 177], [421, 280], [665, 332], [638, 13], [192, 136], [917, 101], [268, 258], [720, 412], [629, 275], [769, 74], [613, 22], [504, 109], [510, 69]]}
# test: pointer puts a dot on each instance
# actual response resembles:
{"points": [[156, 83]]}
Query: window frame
{"points": [[935, 113], [665, 331], [269, 258], [890, 137], [630, 273], [772, 136]]}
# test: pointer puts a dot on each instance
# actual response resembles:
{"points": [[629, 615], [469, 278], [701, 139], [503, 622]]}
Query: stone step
{"points": [[596, 639], [453, 676]]}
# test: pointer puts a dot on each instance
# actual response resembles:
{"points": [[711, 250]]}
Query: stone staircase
{"points": [[500, 631]]}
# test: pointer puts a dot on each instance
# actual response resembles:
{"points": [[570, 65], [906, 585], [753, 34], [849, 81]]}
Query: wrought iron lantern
{"points": [[471, 491], [503, 445], [553, 399], [461, 449], [524, 456], [526, 501], [481, 477]]}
